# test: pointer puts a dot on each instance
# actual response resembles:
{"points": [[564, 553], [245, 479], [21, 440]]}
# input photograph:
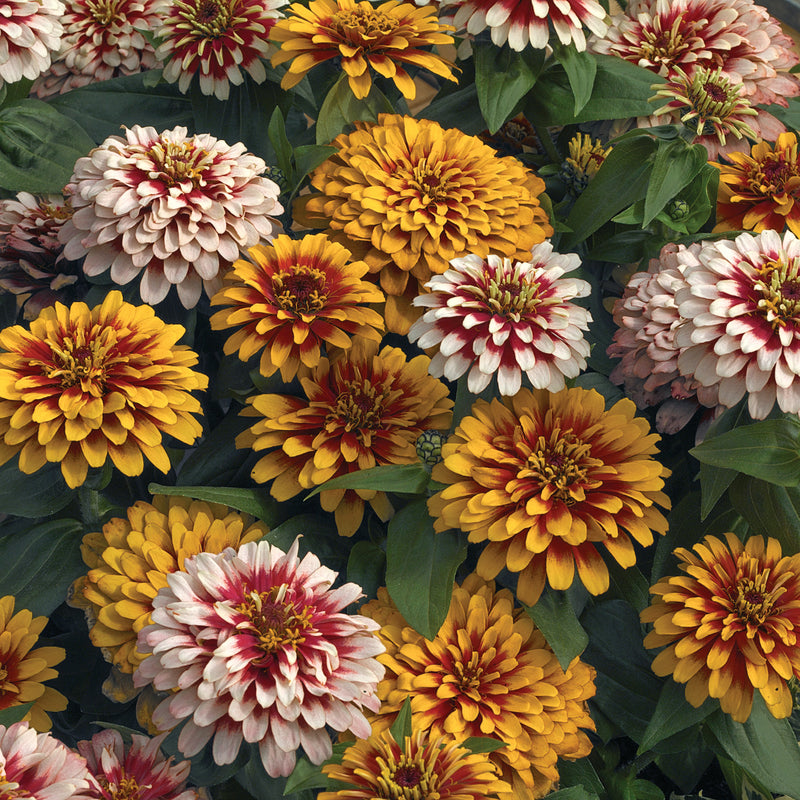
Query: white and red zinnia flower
{"points": [[495, 316], [176, 208], [254, 648], [741, 334], [30, 33]]}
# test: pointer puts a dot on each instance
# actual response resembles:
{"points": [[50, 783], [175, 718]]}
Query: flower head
{"points": [[293, 296], [173, 207], [132, 557], [487, 672], [497, 318], [215, 40], [761, 190], [38, 765], [421, 767], [408, 196], [741, 307], [102, 39], [86, 385], [548, 478], [525, 22], [586, 156], [30, 32], [363, 36], [730, 624], [32, 263], [137, 771], [23, 669], [362, 410], [254, 647]]}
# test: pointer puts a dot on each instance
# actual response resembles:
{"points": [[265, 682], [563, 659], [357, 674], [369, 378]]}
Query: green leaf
{"points": [[12, 92], [308, 157], [573, 793], [629, 584], [341, 107], [255, 502], [366, 566], [581, 69], [280, 143], [673, 714], [401, 727], [399, 478], [306, 775], [421, 567], [580, 773], [769, 450], [675, 166], [769, 509], [502, 78], [39, 565], [12, 714], [763, 746], [556, 619], [37, 495], [38, 147], [482, 744], [456, 109]]}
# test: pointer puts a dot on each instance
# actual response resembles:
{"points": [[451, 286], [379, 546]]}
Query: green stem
{"points": [[543, 136]]}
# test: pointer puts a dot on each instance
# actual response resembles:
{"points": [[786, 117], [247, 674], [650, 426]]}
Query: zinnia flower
{"points": [[296, 295], [178, 208], [488, 672], [131, 559], [586, 156], [547, 478], [23, 670], [730, 624], [214, 40], [37, 765], [647, 317], [359, 411], [86, 385], [102, 39], [137, 771], [362, 36], [525, 22], [742, 331], [254, 647], [758, 191], [497, 318], [30, 32], [32, 263], [380, 767], [408, 196]]}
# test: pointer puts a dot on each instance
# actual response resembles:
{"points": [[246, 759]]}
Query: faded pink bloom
{"points": [[502, 317], [215, 40], [30, 32], [37, 765], [525, 22], [741, 304], [32, 263], [177, 209], [137, 771], [102, 40], [255, 648]]}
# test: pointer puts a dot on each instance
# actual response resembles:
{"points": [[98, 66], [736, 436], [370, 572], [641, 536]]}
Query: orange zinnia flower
{"points": [[547, 478], [759, 191], [86, 385], [362, 36], [730, 624], [296, 295]]}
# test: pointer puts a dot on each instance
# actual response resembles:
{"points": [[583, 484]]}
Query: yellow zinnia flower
{"points": [[23, 670], [407, 196], [363, 36], [86, 385], [131, 559]]}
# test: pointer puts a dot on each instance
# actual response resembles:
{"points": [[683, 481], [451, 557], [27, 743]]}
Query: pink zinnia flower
{"points": [[30, 32], [138, 771], [255, 648], [103, 39], [36, 765], [741, 304], [500, 317], [215, 40], [525, 22], [175, 207]]}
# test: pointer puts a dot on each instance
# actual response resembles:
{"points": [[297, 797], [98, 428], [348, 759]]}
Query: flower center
{"points": [[361, 405], [664, 47], [208, 18], [60, 212], [469, 677], [10, 790], [178, 162], [124, 789], [406, 779], [753, 602], [360, 25], [427, 180], [82, 360], [301, 290], [274, 620], [506, 292], [104, 11], [779, 285], [769, 176]]}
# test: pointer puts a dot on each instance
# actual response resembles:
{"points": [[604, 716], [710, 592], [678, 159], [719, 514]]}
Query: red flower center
{"points": [[275, 621], [124, 789], [778, 292], [769, 177], [753, 601], [408, 776], [716, 92], [302, 289]]}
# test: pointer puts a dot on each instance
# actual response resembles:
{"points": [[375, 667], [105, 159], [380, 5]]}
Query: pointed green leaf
{"points": [[37, 495], [675, 166], [280, 143], [255, 502], [581, 69], [556, 619], [341, 107], [482, 744], [399, 478], [366, 566], [401, 727], [769, 509], [12, 714]]}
